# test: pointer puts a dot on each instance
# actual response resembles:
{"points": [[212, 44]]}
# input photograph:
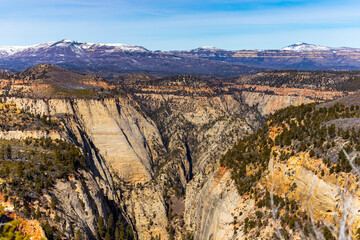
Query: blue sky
{"points": [[186, 24]]}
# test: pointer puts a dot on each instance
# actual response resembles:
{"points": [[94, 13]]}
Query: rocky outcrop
{"points": [[8, 135], [217, 211], [269, 103], [81, 203], [209, 125]]}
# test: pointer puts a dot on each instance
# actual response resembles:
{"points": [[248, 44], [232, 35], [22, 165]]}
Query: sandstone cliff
{"points": [[124, 137]]}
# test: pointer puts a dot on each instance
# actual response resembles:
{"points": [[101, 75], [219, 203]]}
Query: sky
{"points": [[182, 24]]}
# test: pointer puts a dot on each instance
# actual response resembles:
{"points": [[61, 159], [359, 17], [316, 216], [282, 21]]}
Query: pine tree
{"points": [[8, 152], [54, 202], [107, 236], [78, 235], [119, 231], [101, 227], [110, 225], [38, 213]]}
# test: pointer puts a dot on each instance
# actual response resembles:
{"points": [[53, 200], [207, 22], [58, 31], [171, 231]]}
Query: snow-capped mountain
{"points": [[307, 47], [9, 50], [296, 56], [72, 46], [207, 48], [199, 50]]}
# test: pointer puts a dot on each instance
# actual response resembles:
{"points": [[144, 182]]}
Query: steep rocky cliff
{"points": [[218, 203], [123, 136]]}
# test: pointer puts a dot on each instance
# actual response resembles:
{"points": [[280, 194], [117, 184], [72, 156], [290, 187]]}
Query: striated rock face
{"points": [[118, 141], [217, 203], [81, 203], [270, 99], [220, 211], [196, 130], [122, 135], [321, 194], [147, 205], [125, 138]]}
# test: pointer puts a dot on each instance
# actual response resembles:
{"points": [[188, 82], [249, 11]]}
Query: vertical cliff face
{"points": [[221, 212], [146, 204], [196, 131], [80, 203], [217, 204], [127, 140]]}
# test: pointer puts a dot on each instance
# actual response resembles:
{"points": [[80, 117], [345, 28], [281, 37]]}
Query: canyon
{"points": [[153, 150]]}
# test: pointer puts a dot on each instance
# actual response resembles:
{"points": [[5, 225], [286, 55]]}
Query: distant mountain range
{"points": [[110, 60]]}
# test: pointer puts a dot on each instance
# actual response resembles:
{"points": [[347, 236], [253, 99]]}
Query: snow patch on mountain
{"points": [[305, 47], [211, 48], [75, 46], [200, 49], [9, 50], [125, 47]]}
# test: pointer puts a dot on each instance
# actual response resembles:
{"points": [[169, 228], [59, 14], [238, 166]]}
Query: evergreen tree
{"points": [[78, 235], [119, 231], [110, 225], [38, 213], [101, 227], [8, 152], [107, 236]]}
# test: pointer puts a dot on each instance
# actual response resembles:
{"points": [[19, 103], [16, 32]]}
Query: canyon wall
{"points": [[124, 137]]}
